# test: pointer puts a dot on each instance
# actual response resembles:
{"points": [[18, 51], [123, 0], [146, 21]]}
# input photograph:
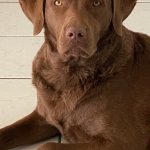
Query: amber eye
{"points": [[96, 3], [58, 2]]}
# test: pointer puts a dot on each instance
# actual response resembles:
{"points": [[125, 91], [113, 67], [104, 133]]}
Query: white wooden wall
{"points": [[17, 50]]}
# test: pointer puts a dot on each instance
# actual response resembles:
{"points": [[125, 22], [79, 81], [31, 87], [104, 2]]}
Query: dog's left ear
{"points": [[33, 9], [121, 10]]}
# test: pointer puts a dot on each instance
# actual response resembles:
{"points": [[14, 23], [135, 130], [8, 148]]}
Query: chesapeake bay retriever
{"points": [[92, 77]]}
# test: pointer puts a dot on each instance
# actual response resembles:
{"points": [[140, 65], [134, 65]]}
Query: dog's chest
{"points": [[62, 105], [71, 110], [57, 106], [72, 118]]}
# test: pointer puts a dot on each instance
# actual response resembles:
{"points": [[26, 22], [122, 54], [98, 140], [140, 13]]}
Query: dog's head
{"points": [[77, 25]]}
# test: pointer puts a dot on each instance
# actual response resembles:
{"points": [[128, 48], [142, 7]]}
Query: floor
{"points": [[17, 50]]}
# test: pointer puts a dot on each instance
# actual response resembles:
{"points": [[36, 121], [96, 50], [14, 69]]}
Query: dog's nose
{"points": [[76, 33]]}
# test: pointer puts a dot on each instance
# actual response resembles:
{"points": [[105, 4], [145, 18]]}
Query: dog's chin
{"points": [[77, 53]]}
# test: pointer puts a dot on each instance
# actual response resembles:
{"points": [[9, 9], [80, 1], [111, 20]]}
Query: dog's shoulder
{"points": [[141, 46], [141, 43], [141, 55]]}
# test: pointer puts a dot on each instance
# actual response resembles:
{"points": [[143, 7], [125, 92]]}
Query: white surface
{"points": [[13, 22], [16, 55], [17, 99], [139, 20]]}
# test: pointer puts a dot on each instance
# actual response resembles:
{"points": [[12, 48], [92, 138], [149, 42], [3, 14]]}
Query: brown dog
{"points": [[92, 77]]}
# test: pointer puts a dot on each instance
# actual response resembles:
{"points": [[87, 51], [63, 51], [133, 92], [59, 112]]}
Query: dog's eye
{"points": [[96, 3], [58, 2]]}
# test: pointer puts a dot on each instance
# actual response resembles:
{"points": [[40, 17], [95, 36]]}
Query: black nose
{"points": [[76, 33]]}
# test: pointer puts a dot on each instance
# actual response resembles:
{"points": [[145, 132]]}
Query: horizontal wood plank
{"points": [[17, 99], [17, 54], [14, 22]]}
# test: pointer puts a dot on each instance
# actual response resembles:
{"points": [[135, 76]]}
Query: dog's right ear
{"points": [[33, 9]]}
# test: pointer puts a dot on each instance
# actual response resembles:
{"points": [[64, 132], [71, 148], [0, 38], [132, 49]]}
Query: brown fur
{"points": [[96, 91]]}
